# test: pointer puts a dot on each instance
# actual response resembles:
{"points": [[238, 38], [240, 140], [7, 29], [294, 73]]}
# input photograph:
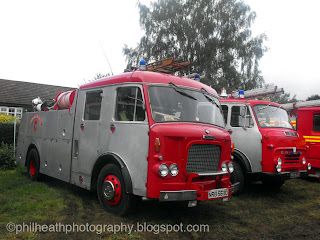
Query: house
{"points": [[16, 96]]}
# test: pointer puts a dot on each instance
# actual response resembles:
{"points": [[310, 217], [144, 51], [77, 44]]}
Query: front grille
{"points": [[203, 158], [291, 159]]}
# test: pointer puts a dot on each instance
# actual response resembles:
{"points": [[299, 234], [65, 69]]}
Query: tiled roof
{"points": [[20, 94]]}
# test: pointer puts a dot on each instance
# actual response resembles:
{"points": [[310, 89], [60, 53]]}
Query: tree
{"points": [[214, 35], [283, 98], [313, 97]]}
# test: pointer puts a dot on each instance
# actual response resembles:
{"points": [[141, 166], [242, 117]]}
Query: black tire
{"points": [[237, 177], [33, 165], [111, 191]]}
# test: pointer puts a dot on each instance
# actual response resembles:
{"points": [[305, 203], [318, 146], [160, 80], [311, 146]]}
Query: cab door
{"points": [[245, 132], [129, 137], [314, 140]]}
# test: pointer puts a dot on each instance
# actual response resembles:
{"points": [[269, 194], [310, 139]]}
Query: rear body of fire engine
{"points": [[138, 134], [267, 148], [305, 116]]}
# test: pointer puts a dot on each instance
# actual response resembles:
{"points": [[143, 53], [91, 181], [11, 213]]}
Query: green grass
{"points": [[291, 213]]}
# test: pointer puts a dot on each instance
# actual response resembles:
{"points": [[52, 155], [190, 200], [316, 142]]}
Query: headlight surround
{"points": [[224, 167], [163, 170], [304, 161], [230, 167], [174, 170], [309, 166]]}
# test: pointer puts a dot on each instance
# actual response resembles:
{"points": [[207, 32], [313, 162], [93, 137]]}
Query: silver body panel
{"points": [[69, 146], [246, 140]]}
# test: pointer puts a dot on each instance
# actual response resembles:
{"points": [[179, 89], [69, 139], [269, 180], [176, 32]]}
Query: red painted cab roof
{"points": [[148, 77], [251, 102]]}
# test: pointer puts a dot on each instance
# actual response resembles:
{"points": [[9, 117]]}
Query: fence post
{"points": [[14, 137]]}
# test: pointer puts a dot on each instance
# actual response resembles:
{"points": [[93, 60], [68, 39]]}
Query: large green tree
{"points": [[214, 35], [313, 97]]}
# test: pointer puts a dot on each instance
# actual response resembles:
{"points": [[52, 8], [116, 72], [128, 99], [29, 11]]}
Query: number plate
{"points": [[217, 193], [294, 174]]}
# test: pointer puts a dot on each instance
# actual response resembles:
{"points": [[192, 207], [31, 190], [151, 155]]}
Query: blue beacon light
{"points": [[143, 66], [241, 94]]}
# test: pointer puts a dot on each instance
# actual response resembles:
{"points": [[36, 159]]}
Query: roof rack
{"points": [[169, 65]]}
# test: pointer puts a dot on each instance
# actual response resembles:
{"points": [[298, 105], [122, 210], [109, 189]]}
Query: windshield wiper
{"points": [[276, 109], [264, 107], [207, 95], [175, 87]]}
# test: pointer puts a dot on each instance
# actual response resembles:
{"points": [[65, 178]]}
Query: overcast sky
{"points": [[65, 42]]}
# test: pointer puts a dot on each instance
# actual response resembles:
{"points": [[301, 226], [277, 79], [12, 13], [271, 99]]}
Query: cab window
{"points": [[241, 117], [316, 122], [92, 107], [129, 104], [225, 113]]}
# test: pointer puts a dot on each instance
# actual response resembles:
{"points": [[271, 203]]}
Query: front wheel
{"points": [[237, 177], [111, 191], [33, 165]]}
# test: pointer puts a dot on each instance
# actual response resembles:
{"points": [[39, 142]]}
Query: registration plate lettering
{"points": [[217, 193], [294, 174]]}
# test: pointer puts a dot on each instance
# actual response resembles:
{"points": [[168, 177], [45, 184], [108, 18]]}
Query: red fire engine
{"points": [[266, 146], [143, 133], [305, 116]]}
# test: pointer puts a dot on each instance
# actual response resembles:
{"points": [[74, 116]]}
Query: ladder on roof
{"points": [[291, 106], [259, 92], [169, 65]]}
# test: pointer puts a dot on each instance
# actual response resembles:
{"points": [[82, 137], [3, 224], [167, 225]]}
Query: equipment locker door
{"points": [[87, 130]]}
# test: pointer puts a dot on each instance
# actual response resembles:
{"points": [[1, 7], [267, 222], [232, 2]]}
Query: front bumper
{"points": [[285, 175], [200, 191]]}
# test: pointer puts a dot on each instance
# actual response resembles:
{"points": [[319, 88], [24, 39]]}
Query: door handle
{"points": [[112, 128]]}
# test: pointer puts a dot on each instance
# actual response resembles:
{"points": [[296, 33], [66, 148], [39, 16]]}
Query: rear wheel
{"points": [[111, 191], [33, 165], [237, 177]]}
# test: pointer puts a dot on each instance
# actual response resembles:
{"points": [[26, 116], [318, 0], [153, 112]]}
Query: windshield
{"points": [[271, 116], [177, 104]]}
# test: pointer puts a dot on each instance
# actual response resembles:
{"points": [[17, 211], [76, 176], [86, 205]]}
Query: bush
{"points": [[7, 160], [6, 132], [7, 119]]}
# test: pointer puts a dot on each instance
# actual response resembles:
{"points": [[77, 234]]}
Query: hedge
{"points": [[6, 132]]}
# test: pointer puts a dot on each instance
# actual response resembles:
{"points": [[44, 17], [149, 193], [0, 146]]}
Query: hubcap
{"points": [[33, 167], [108, 190], [111, 189]]}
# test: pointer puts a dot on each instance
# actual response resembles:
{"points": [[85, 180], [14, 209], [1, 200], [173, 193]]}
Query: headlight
{"points": [[304, 160], [174, 170], [163, 170], [230, 167], [278, 168], [224, 167], [309, 166], [279, 161]]}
